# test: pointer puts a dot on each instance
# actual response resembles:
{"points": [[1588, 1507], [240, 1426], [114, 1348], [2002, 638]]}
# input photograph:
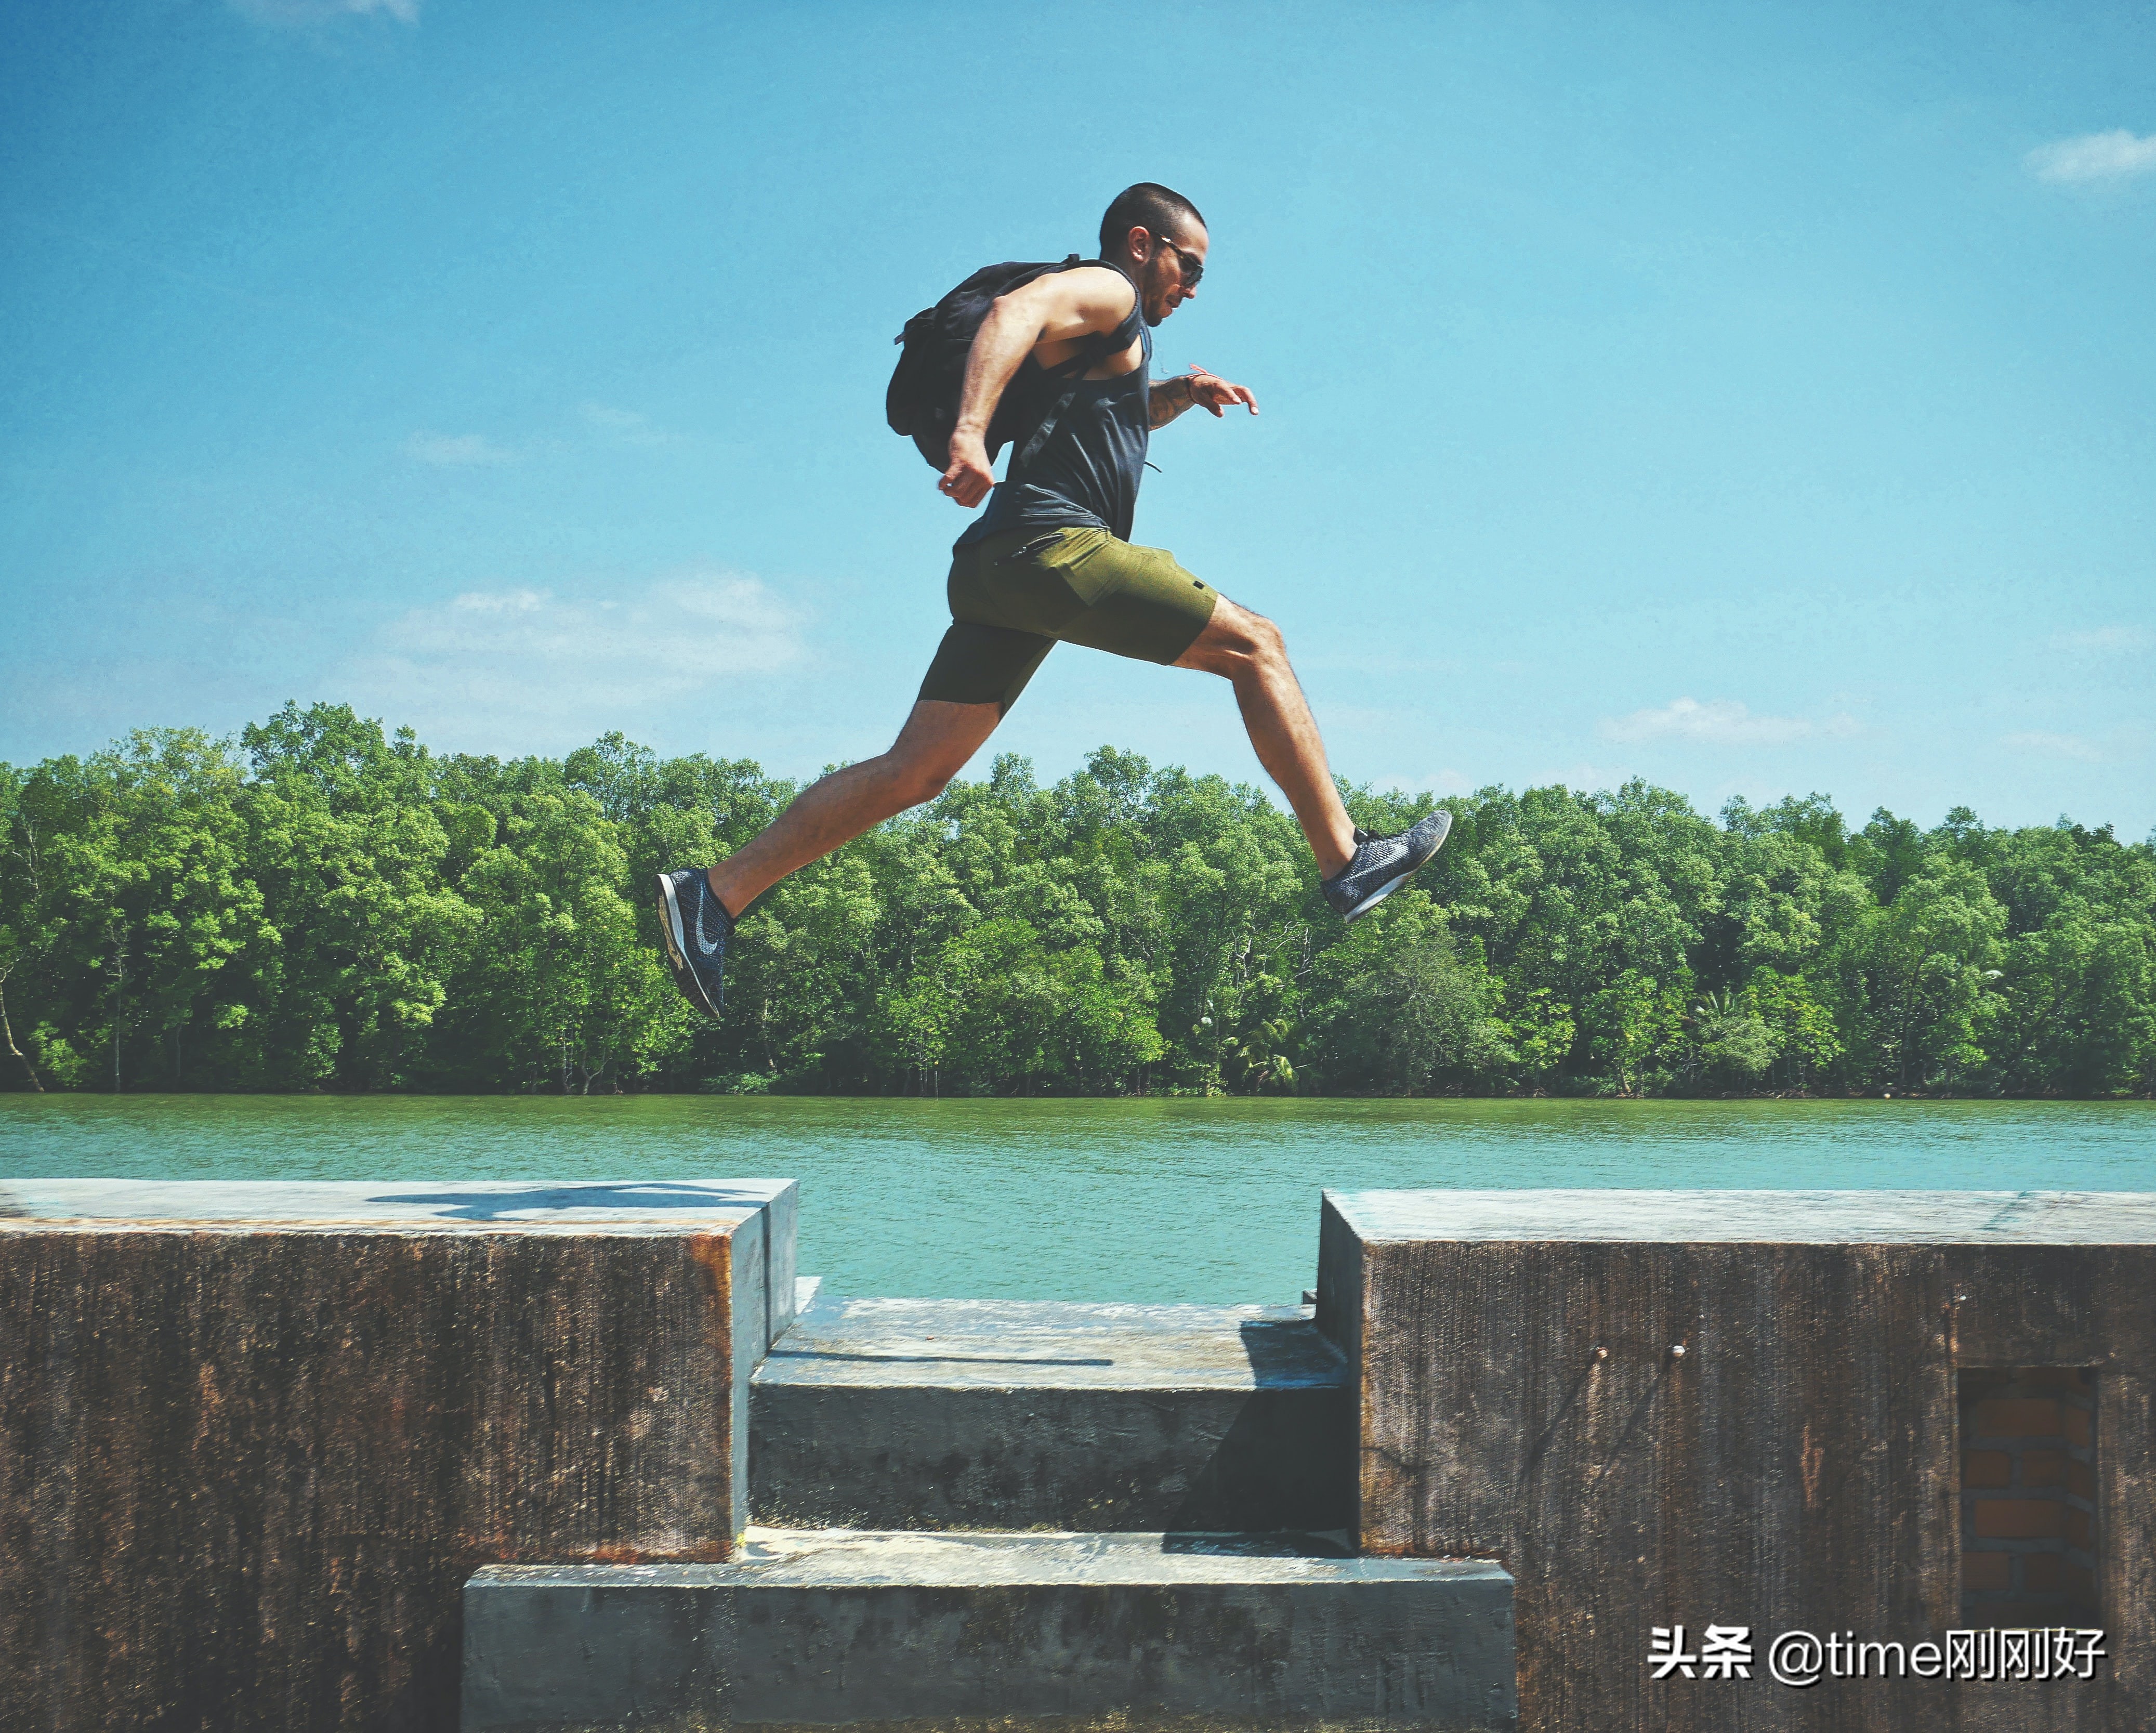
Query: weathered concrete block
{"points": [[938, 1414], [1795, 1467], [254, 1438], [910, 1631]]}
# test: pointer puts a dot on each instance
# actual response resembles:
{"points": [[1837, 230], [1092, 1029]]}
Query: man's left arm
{"points": [[1169, 398]]}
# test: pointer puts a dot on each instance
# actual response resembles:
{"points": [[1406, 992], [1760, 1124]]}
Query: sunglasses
{"points": [[1193, 266]]}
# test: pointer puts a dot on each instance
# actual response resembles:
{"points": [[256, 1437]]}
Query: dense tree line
{"points": [[320, 906]]}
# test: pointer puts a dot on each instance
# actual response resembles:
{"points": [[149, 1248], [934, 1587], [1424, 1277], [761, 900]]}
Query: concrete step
{"points": [[967, 1414], [879, 1631]]}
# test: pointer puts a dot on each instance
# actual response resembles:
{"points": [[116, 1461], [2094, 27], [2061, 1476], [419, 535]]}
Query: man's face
{"points": [[1164, 284]]}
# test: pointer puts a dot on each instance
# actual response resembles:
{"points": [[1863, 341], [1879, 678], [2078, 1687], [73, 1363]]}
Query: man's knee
{"points": [[927, 785], [916, 781], [1235, 640], [938, 739], [1256, 639]]}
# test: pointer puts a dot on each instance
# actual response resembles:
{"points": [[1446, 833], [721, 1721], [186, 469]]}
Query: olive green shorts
{"points": [[1016, 596]]}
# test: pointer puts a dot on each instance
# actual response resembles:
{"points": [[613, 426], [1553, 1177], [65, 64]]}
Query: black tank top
{"points": [[1087, 471]]}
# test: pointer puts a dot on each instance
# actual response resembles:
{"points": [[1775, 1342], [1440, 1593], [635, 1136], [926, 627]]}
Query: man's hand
{"points": [[1211, 391], [970, 478], [1170, 397]]}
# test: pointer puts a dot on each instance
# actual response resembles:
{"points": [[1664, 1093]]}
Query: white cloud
{"points": [[1720, 722], [2094, 157], [625, 427], [518, 665], [453, 450], [2110, 639], [679, 634], [2052, 746], [323, 12]]}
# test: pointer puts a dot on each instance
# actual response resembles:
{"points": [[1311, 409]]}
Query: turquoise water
{"points": [[1212, 1201]]}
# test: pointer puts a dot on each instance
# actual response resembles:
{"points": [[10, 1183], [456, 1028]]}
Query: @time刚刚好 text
{"points": [[1801, 1658]]}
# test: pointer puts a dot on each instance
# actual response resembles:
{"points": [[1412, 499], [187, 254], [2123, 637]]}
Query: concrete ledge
{"points": [[253, 1438], [955, 1414], [1859, 1218], [1665, 1408], [884, 1631]]}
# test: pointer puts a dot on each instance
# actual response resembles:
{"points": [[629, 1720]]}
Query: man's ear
{"points": [[1137, 244]]}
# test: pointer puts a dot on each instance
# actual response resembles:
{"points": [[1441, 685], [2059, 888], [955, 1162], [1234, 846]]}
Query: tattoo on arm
{"points": [[1168, 399]]}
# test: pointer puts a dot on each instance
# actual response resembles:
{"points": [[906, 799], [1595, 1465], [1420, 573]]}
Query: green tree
{"points": [[325, 905], [1735, 1043], [556, 982], [1800, 1026], [1400, 1010], [348, 851], [1917, 977]]}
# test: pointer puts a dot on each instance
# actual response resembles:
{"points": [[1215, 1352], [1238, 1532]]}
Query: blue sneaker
{"points": [[1381, 865], [696, 927]]}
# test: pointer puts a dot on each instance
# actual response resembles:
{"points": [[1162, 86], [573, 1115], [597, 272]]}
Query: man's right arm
{"points": [[1063, 304]]}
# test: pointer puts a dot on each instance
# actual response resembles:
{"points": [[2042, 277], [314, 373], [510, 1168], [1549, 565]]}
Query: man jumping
{"points": [[1050, 561]]}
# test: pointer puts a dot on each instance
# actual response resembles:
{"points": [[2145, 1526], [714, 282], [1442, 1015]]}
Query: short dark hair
{"points": [[1149, 206]]}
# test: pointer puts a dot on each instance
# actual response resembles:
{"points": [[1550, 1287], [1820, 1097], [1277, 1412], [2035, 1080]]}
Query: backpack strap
{"points": [[1097, 346], [1047, 428]]}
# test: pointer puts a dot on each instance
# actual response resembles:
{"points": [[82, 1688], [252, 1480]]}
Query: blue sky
{"points": [[1757, 398]]}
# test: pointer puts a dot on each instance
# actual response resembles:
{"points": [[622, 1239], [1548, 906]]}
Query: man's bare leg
{"points": [[1246, 649], [931, 749]]}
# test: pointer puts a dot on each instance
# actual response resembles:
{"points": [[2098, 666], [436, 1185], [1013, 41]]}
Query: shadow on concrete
{"points": [[1286, 1458], [1290, 1354], [643, 1195]]}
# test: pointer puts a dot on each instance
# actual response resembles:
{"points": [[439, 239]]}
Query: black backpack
{"points": [[922, 399]]}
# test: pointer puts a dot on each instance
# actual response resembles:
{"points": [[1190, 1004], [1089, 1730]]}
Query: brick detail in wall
{"points": [[2027, 1495]]}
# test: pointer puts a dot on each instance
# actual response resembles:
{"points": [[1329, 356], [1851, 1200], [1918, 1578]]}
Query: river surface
{"points": [[1212, 1201]]}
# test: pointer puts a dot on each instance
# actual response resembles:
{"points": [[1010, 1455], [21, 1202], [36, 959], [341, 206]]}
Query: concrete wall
{"points": [[1797, 1466], [254, 1439]]}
